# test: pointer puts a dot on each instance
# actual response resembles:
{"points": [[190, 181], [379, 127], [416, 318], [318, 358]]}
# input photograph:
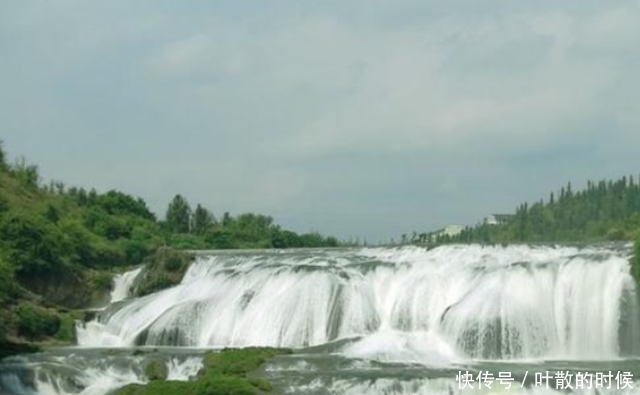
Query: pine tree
{"points": [[178, 215], [226, 219], [202, 220]]}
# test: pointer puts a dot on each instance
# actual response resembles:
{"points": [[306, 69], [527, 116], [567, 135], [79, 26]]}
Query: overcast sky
{"points": [[365, 119]]}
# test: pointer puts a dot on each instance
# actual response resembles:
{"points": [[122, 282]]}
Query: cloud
{"points": [[365, 120]]}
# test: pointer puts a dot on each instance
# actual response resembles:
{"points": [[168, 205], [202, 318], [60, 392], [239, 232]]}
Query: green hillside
{"points": [[603, 211]]}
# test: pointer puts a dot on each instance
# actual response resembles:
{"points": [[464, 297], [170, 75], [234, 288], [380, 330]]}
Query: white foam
{"points": [[408, 347], [122, 284], [481, 302], [183, 370]]}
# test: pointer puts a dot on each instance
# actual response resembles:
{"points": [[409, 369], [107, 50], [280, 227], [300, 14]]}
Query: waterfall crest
{"points": [[123, 284], [515, 302]]}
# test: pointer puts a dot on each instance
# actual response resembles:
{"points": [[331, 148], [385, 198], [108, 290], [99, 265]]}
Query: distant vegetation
{"points": [[604, 211], [607, 210]]}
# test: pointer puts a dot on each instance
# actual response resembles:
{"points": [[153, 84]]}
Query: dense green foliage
{"points": [[36, 322], [7, 285], [202, 220], [224, 373], [178, 215], [67, 331], [8, 349], [602, 211], [156, 369]]}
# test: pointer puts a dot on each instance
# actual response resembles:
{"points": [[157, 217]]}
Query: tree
{"points": [[34, 245], [118, 203], [3, 157], [178, 215], [201, 221], [220, 238], [285, 239], [26, 173], [331, 242], [313, 239], [227, 219], [605, 210]]}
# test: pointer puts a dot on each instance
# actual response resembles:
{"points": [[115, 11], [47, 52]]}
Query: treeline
{"points": [[605, 210], [199, 229]]}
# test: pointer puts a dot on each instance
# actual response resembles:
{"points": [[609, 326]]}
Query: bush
{"points": [[156, 370], [162, 270], [27, 174], [153, 283], [4, 203], [101, 281], [67, 330], [135, 251], [616, 234], [224, 373], [261, 384], [187, 242], [35, 246], [221, 239], [36, 322], [7, 285], [240, 361], [225, 385], [3, 157], [174, 263]]}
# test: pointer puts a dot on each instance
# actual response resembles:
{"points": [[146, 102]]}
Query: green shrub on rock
{"points": [[156, 370], [36, 322], [67, 330], [164, 269], [102, 281], [239, 361], [223, 373]]}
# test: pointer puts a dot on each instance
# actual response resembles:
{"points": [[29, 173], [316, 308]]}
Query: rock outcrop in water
{"points": [[163, 269]]}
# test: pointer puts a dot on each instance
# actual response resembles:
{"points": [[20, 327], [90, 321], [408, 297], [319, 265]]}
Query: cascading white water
{"points": [[88, 373], [453, 302], [123, 284]]}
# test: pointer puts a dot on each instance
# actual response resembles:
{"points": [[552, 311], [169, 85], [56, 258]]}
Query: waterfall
{"points": [[452, 302], [123, 284]]}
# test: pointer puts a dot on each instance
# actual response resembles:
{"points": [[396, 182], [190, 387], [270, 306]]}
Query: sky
{"points": [[357, 119]]}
